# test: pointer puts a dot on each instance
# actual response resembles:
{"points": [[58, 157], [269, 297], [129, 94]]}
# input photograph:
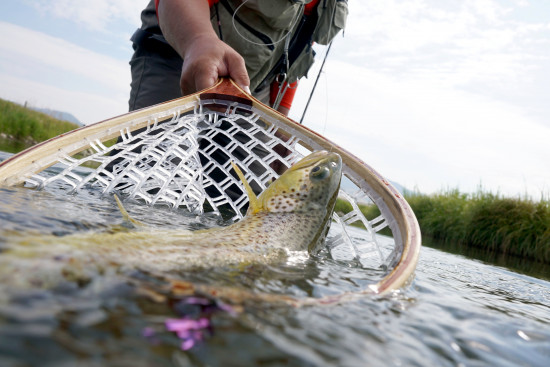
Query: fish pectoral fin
{"points": [[254, 204], [125, 214]]}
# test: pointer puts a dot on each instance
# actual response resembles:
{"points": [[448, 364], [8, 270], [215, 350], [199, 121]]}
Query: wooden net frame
{"points": [[179, 153]]}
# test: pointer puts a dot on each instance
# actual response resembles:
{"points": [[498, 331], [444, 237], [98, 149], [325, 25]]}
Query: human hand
{"points": [[205, 60]]}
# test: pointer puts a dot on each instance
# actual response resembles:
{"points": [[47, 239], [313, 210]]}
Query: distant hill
{"points": [[60, 115], [400, 188], [350, 188], [22, 127]]}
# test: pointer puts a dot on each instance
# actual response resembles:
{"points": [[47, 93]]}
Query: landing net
{"points": [[179, 154]]}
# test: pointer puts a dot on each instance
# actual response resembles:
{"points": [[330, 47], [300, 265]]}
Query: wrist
{"points": [[196, 41]]}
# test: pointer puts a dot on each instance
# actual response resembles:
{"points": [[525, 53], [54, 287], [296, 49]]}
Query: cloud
{"points": [[96, 15], [463, 42], [38, 48], [86, 107], [51, 72], [440, 94], [421, 133]]}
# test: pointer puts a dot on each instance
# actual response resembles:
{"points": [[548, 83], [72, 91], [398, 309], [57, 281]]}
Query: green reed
{"points": [[24, 125], [491, 222], [497, 224]]}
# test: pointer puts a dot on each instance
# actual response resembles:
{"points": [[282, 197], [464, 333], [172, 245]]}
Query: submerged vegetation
{"points": [[21, 127]]}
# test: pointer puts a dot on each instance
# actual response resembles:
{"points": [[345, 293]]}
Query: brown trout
{"points": [[293, 213]]}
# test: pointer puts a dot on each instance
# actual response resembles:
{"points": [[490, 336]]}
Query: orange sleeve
{"points": [[288, 97], [309, 7]]}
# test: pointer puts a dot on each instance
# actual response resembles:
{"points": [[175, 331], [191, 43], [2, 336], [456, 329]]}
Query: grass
{"points": [[370, 211], [486, 221], [509, 226], [22, 127]]}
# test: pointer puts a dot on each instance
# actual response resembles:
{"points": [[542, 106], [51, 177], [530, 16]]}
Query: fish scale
{"points": [[292, 214]]}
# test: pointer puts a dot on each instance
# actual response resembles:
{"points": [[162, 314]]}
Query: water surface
{"points": [[457, 311]]}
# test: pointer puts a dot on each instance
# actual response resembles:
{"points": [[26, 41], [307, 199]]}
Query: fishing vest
{"points": [[258, 31]]}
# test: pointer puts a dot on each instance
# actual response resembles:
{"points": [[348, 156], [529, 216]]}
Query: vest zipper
{"points": [[279, 66]]}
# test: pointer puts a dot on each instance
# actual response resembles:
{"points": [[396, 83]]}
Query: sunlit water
{"points": [[457, 311]]}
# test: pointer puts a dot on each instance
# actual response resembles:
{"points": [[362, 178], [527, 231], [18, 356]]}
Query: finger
{"points": [[205, 79], [196, 79], [237, 70]]}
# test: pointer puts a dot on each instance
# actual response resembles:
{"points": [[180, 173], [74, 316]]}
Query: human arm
{"points": [[186, 26]]}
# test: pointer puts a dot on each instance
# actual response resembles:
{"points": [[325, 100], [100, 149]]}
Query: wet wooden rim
{"points": [[16, 169]]}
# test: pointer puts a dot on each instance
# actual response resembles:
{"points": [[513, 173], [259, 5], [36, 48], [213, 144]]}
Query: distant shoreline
{"points": [[487, 222], [22, 127]]}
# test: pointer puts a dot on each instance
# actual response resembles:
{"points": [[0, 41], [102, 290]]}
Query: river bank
{"points": [[487, 221], [490, 223], [21, 127]]}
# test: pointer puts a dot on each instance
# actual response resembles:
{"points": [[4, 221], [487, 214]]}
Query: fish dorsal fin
{"points": [[125, 214], [254, 205]]}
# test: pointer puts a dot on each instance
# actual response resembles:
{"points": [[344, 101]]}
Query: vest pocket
{"points": [[255, 46], [332, 19], [275, 14], [301, 66]]}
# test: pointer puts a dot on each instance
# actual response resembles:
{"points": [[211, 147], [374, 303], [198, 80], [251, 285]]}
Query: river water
{"points": [[457, 312]]}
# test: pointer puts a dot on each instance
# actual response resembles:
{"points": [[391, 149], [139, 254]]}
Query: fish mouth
{"points": [[319, 156]]}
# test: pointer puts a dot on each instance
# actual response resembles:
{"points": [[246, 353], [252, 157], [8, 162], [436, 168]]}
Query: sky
{"points": [[432, 94]]}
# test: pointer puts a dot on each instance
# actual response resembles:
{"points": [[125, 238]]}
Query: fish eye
{"points": [[319, 172]]}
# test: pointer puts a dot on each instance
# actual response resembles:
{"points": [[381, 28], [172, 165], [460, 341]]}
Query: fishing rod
{"points": [[315, 84]]}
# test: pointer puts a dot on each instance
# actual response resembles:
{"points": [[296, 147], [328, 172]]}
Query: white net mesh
{"points": [[182, 158]]}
